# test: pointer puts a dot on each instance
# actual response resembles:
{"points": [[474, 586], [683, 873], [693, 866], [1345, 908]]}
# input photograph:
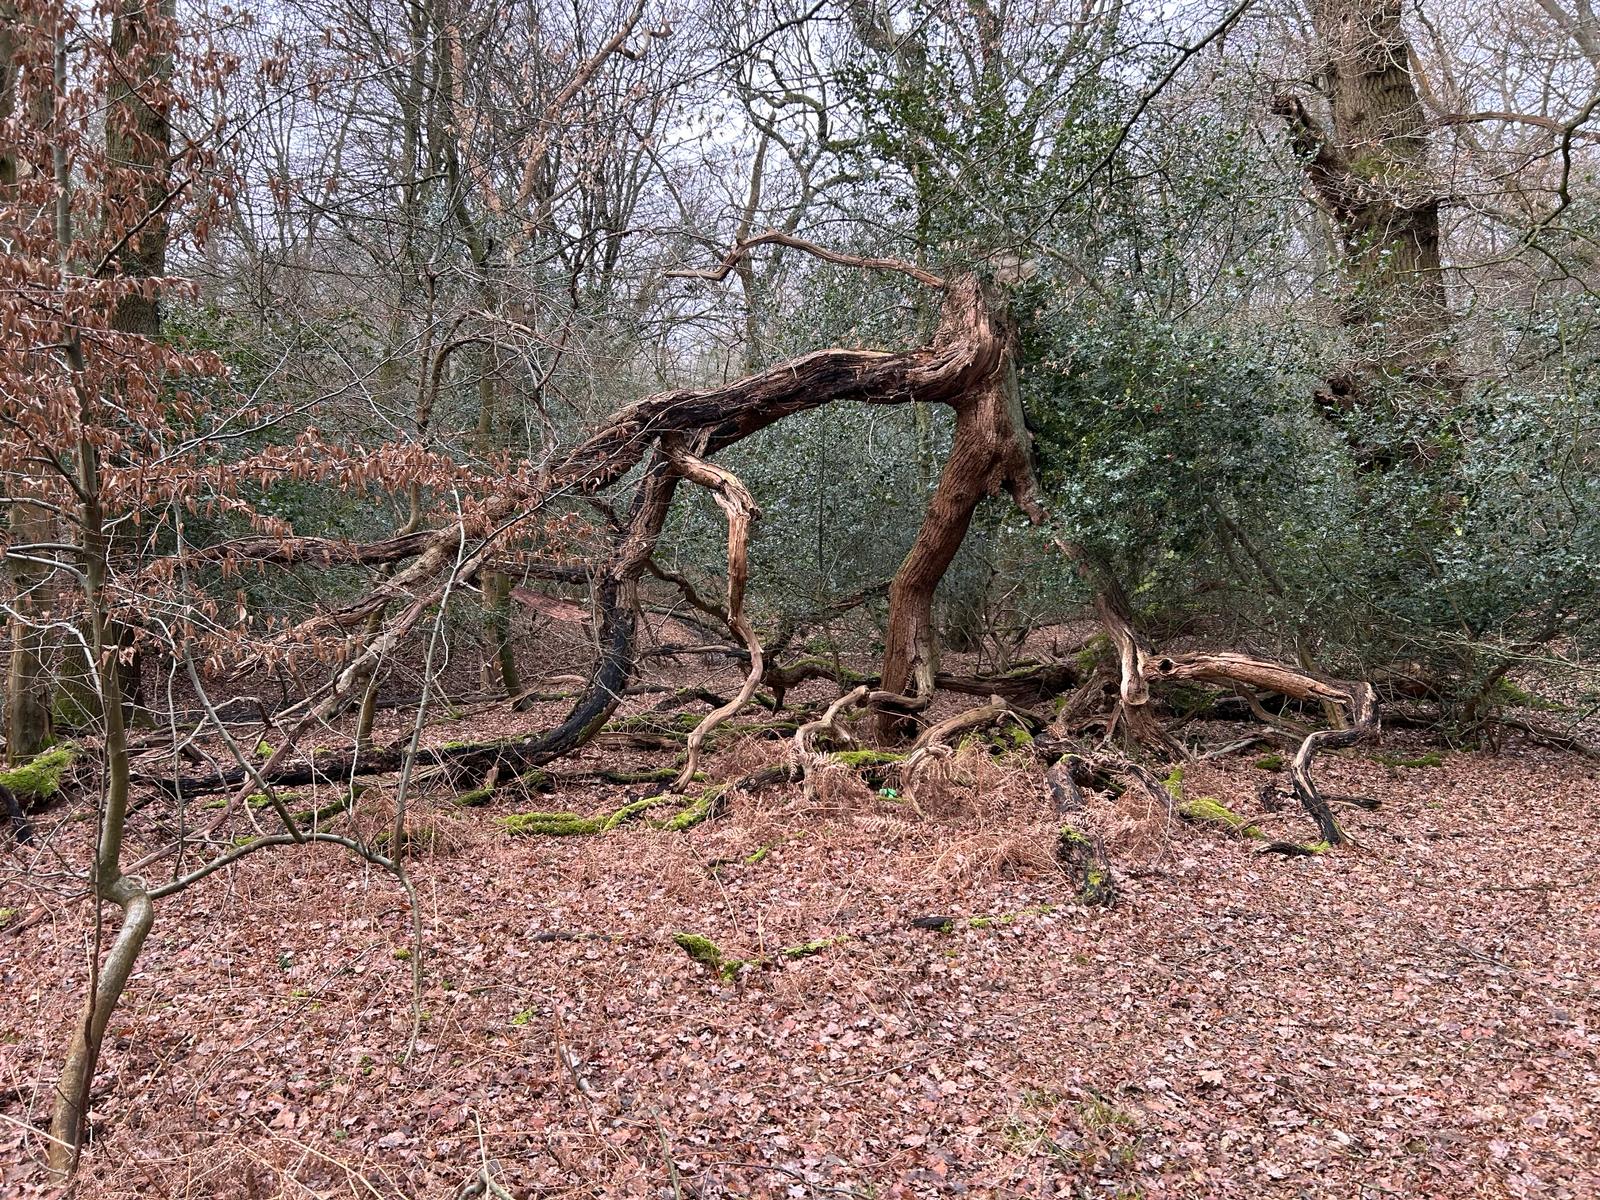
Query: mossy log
{"points": [[1208, 811], [939, 924], [1083, 858], [35, 782], [569, 824], [1081, 855], [530, 781], [40, 778], [709, 955]]}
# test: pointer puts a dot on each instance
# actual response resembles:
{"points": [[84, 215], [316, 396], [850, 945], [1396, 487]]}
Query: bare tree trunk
{"points": [[28, 691], [1368, 168]]}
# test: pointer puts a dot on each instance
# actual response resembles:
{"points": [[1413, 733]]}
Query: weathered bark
{"points": [[975, 718], [991, 452], [138, 146], [1368, 169]]}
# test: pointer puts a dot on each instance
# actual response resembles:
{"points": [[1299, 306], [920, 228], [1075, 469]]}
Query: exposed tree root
{"points": [[1139, 666], [997, 710], [805, 755]]}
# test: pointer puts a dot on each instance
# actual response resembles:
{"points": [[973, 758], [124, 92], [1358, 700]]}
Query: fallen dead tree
{"points": [[672, 437], [959, 364]]}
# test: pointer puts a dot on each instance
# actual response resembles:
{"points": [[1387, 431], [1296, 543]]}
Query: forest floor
{"points": [[1417, 1015]]}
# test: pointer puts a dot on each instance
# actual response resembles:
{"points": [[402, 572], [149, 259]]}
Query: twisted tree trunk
{"points": [[991, 452]]}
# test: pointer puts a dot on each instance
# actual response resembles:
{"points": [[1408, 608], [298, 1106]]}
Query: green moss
{"points": [[263, 749], [807, 949], [5, 916], [317, 816], [696, 812], [1433, 758], [857, 760], [1208, 810], [40, 777], [533, 780], [1316, 847], [655, 775], [1174, 784], [1098, 887], [1093, 650], [708, 954], [569, 824], [1269, 762], [553, 824], [683, 722], [1019, 736], [628, 811]]}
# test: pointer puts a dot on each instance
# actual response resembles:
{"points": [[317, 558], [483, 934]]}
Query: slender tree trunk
{"points": [[138, 145], [28, 695], [72, 1091], [28, 692]]}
